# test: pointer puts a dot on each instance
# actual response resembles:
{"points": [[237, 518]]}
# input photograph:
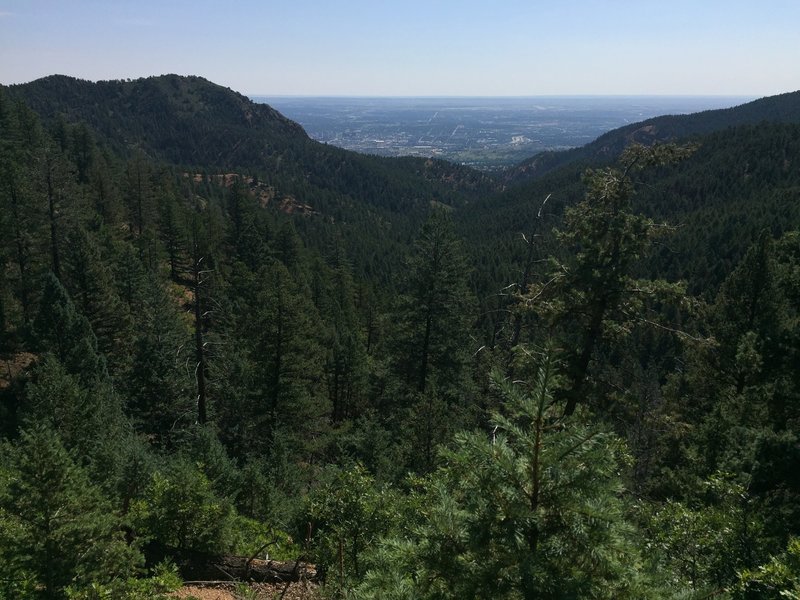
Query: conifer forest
{"points": [[229, 352]]}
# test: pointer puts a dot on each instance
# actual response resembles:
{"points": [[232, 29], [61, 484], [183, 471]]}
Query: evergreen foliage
{"points": [[779, 578], [530, 511], [434, 310], [63, 331], [591, 296], [58, 529], [348, 516], [215, 333], [180, 510]]}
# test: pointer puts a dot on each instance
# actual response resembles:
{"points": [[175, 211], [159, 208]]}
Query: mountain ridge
{"points": [[197, 126], [189, 120], [174, 105], [781, 108]]}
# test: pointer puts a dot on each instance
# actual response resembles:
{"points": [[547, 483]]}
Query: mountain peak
{"points": [[178, 118]]}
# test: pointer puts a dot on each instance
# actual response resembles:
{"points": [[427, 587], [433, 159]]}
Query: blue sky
{"points": [[415, 47]]}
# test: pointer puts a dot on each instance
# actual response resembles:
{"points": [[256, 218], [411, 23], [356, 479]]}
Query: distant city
{"points": [[485, 133]]}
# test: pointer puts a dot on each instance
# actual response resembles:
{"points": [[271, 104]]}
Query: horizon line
{"points": [[508, 96]]}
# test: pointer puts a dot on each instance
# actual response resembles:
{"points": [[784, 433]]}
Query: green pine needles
{"points": [[532, 510]]}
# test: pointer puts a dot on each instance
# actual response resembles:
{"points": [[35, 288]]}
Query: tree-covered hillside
{"points": [[784, 108], [739, 181], [220, 339], [200, 127]]}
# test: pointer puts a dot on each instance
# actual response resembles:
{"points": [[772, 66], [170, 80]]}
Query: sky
{"points": [[415, 47]]}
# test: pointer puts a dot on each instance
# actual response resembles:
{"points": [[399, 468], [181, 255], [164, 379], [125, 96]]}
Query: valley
{"points": [[231, 351], [483, 133]]}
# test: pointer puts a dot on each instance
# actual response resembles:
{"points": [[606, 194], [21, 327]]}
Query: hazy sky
{"points": [[415, 47]]}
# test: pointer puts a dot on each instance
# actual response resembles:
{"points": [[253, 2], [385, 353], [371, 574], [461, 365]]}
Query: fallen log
{"points": [[240, 568], [199, 566]]}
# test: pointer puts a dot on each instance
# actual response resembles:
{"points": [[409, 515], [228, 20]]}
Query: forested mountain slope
{"points": [[784, 108], [203, 127], [183, 120], [190, 121], [297, 353], [737, 182]]}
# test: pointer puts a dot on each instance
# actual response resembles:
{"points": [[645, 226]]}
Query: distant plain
{"points": [[485, 133]]}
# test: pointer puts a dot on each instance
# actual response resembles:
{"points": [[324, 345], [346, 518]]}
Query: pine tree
{"points": [[431, 394], [752, 321], [247, 237], [104, 189], [23, 222], [55, 181], [159, 386], [138, 194], [81, 150], [591, 296], [172, 229], [532, 510], [62, 531], [56, 398], [434, 312], [289, 363], [91, 285], [346, 368], [130, 278], [61, 330]]}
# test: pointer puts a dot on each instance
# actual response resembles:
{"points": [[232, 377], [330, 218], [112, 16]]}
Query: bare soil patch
{"points": [[224, 590], [12, 365]]}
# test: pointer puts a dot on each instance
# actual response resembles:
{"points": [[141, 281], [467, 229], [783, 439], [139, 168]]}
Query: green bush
{"points": [[179, 509]]}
